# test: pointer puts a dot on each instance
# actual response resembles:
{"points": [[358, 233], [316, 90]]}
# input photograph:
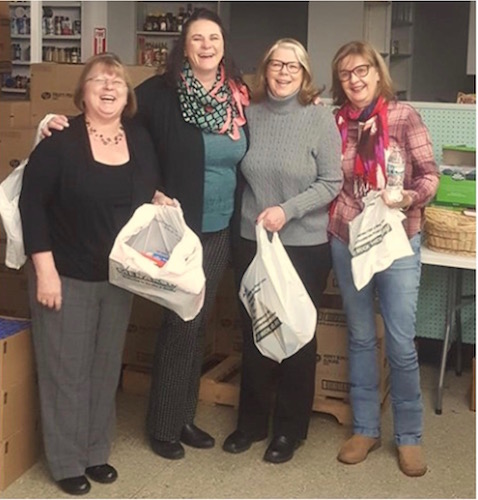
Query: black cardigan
{"points": [[55, 167], [179, 146]]}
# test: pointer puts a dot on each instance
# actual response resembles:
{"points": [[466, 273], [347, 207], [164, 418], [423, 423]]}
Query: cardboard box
{"points": [[136, 380], [13, 293], [15, 114], [331, 378], [18, 453], [19, 407], [457, 186], [15, 146], [53, 85], [459, 156], [17, 363], [5, 39]]}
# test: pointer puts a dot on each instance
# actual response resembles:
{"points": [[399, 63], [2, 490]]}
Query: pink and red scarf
{"points": [[372, 143]]}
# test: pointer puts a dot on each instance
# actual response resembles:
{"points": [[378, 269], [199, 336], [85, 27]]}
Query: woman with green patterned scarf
{"points": [[195, 114]]}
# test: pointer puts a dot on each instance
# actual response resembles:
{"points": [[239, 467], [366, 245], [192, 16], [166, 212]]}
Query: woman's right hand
{"points": [[49, 289], [58, 122]]}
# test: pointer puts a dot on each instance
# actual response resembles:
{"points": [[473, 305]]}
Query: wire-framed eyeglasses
{"points": [[275, 65], [360, 71]]}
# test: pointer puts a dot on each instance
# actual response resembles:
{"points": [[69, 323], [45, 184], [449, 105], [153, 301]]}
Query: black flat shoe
{"points": [[168, 449], [281, 449], [78, 485], [102, 473], [238, 441], [195, 437]]}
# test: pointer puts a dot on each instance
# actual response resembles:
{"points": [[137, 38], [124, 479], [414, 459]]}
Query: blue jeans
{"points": [[397, 290]]}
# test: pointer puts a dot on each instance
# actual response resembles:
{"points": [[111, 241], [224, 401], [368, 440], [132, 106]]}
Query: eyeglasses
{"points": [[359, 71], [276, 66], [103, 82]]}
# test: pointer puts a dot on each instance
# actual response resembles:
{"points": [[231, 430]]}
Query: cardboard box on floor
{"points": [[53, 85], [332, 371], [17, 363], [19, 423], [13, 289], [19, 407], [18, 453]]}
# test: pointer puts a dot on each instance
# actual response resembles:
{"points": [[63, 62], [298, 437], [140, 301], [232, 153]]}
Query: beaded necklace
{"points": [[107, 141]]}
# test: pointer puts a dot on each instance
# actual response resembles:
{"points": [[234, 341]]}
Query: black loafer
{"points": [[78, 485], [168, 449], [238, 441], [102, 473], [195, 437], [281, 449]]}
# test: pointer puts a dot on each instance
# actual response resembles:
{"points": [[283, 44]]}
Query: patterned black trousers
{"points": [[179, 351]]}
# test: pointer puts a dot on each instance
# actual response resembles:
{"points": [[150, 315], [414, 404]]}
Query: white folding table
{"points": [[455, 301]]}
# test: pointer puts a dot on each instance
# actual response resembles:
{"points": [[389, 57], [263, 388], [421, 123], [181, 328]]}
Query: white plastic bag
{"points": [[10, 190], [376, 239], [283, 316], [180, 284]]}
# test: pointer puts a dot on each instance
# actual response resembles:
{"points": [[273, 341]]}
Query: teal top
{"points": [[221, 154]]}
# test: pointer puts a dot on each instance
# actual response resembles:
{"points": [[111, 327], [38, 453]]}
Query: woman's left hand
{"points": [[160, 198], [403, 204], [273, 219]]}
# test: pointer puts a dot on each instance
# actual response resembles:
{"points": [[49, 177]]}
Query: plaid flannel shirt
{"points": [[407, 129]]}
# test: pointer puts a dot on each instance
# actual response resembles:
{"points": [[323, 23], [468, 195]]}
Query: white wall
{"points": [[330, 25], [93, 15]]}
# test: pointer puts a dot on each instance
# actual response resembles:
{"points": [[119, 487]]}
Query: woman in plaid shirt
{"points": [[371, 122]]}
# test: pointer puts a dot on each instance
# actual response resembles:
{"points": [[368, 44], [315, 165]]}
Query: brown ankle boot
{"points": [[411, 460], [356, 449]]}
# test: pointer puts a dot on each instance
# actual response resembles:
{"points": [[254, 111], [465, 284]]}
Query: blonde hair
{"points": [[307, 92], [109, 62], [368, 52]]}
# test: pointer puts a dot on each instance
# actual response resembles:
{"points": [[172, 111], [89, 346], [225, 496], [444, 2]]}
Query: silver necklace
{"points": [[107, 141]]}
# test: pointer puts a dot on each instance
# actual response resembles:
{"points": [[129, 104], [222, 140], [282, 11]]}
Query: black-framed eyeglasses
{"points": [[275, 65], [360, 71]]}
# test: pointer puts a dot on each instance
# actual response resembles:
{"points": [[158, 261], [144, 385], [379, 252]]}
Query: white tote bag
{"points": [[179, 284], [10, 190], [283, 316], [376, 239]]}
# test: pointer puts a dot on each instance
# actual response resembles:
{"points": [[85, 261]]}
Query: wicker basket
{"points": [[450, 231]]}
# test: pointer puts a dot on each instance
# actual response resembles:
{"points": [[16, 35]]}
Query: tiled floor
{"points": [[313, 473]]}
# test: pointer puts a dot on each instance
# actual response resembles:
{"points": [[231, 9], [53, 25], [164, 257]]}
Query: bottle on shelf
{"points": [[395, 173]]}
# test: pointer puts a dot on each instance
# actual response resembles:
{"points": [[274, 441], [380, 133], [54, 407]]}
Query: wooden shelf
{"points": [[8, 90], [158, 33], [61, 37], [396, 57]]}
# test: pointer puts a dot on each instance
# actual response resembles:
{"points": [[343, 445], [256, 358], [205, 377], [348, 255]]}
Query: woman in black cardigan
{"points": [[195, 114], [80, 187]]}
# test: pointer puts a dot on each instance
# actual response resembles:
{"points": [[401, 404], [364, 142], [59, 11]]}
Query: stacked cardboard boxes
{"points": [[220, 384], [19, 410]]}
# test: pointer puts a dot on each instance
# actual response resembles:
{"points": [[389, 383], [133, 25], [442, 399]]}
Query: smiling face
{"points": [[360, 90], [105, 93], [204, 47], [284, 82]]}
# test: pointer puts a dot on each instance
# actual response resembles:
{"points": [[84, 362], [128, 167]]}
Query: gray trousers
{"points": [[78, 352], [179, 352]]}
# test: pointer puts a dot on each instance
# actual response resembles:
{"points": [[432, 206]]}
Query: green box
{"points": [[459, 155], [457, 186]]}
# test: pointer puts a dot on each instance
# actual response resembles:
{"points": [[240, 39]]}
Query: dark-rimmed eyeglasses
{"points": [[292, 67], [360, 71]]}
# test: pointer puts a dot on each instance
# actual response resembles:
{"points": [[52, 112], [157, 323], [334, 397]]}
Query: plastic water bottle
{"points": [[395, 174]]}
